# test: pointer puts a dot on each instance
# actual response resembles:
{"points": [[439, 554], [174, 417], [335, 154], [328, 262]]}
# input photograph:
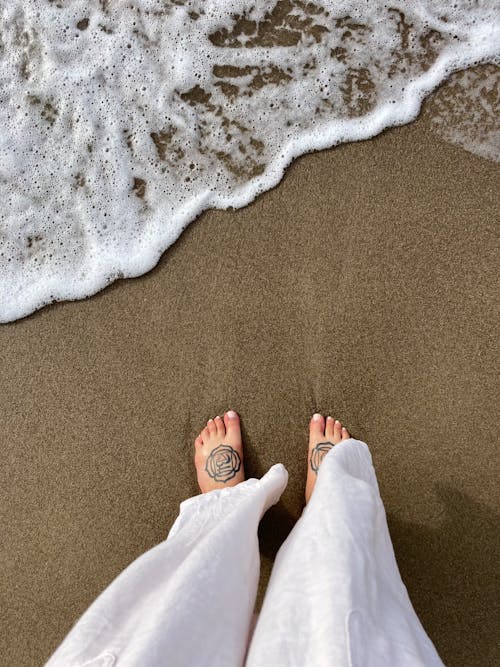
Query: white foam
{"points": [[122, 121], [465, 110]]}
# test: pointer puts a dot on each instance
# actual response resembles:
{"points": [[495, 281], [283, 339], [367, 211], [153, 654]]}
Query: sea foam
{"points": [[123, 119], [465, 111]]}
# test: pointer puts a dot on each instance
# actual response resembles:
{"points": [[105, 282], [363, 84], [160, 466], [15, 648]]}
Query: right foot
{"points": [[218, 456], [322, 437]]}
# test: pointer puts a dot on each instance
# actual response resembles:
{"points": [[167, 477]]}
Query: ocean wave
{"points": [[123, 120]]}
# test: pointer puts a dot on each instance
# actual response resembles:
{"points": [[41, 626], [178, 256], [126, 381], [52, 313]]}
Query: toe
{"points": [[317, 425], [221, 429], [345, 433], [205, 434], [212, 428], [198, 441], [329, 428], [232, 422], [337, 431]]}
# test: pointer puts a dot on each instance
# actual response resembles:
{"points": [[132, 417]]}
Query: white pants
{"points": [[335, 597]]}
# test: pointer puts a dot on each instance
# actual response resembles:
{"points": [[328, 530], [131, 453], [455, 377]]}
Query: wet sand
{"points": [[363, 287]]}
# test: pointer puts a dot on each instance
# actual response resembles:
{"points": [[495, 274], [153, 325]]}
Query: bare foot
{"points": [[322, 437], [218, 455]]}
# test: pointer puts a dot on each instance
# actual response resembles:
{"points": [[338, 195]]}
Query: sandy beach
{"points": [[363, 286]]}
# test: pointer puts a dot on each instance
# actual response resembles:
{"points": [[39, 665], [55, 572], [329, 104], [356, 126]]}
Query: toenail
{"points": [[329, 417], [316, 417], [337, 421], [210, 420], [231, 414]]}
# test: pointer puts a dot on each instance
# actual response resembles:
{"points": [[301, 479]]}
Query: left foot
{"points": [[219, 453], [323, 435]]}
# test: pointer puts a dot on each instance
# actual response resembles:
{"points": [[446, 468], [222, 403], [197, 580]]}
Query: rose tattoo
{"points": [[319, 453], [223, 463]]}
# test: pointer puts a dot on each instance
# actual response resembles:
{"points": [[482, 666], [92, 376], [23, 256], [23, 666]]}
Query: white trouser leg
{"points": [[335, 596], [187, 602]]}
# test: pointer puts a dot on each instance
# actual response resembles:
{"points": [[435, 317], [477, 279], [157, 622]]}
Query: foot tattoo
{"points": [[318, 454], [223, 463]]}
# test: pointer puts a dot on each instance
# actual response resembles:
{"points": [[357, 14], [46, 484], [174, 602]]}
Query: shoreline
{"points": [[363, 286]]}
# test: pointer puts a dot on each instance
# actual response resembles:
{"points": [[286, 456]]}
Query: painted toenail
{"points": [[231, 414], [316, 417]]}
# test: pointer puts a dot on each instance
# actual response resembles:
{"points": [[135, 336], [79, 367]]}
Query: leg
{"points": [[335, 596], [189, 600]]}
